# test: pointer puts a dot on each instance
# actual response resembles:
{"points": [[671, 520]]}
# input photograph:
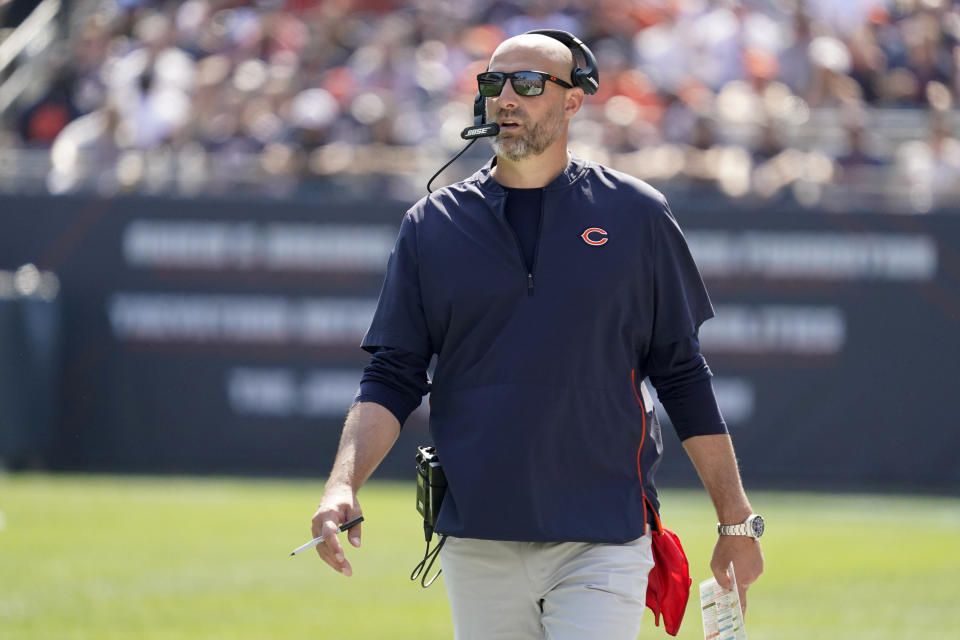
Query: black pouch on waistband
{"points": [[431, 487]]}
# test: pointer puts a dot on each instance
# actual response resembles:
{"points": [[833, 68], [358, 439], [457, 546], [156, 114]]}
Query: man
{"points": [[548, 287]]}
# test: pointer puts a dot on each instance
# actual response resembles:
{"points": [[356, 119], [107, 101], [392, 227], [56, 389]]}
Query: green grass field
{"points": [[104, 557]]}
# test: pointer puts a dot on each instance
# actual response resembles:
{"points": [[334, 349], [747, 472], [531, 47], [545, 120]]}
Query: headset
{"points": [[586, 77]]}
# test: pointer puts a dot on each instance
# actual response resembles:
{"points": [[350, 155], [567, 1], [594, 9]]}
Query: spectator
{"points": [[931, 167], [40, 123], [857, 161], [286, 80], [83, 148]]}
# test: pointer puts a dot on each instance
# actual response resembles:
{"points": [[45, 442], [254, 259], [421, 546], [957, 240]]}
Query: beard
{"points": [[535, 139]]}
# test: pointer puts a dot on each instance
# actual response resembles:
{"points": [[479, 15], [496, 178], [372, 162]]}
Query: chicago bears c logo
{"points": [[599, 236]]}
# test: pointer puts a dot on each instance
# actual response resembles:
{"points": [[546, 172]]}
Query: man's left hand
{"points": [[747, 558]]}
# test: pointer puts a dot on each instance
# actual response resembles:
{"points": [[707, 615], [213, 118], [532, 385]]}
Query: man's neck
{"points": [[532, 172]]}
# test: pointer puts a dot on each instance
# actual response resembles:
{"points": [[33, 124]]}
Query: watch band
{"points": [[733, 529]]}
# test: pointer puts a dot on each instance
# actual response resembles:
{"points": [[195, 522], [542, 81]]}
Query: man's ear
{"points": [[572, 102]]}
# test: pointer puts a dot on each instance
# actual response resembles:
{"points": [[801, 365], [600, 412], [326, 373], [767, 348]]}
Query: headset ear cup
{"points": [[587, 79], [580, 79]]}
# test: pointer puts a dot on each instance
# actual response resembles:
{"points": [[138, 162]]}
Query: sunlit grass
{"points": [[104, 557]]}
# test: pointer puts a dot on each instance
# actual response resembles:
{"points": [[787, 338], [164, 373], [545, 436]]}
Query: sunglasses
{"points": [[525, 83]]}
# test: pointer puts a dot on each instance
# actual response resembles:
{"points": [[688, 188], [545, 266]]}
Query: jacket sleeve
{"points": [[680, 299], [674, 363], [399, 319], [681, 377], [394, 379]]}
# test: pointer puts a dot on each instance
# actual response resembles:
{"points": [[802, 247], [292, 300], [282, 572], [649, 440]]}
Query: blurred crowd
{"points": [[763, 99]]}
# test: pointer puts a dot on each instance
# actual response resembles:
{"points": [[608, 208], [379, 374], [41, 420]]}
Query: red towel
{"points": [[668, 585]]}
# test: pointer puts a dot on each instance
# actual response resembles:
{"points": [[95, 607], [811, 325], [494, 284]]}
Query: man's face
{"points": [[528, 125]]}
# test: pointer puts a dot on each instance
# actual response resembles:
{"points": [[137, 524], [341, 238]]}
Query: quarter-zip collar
{"points": [[494, 195], [576, 167]]}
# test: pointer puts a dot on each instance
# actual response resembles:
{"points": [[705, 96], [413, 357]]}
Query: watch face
{"points": [[757, 525]]}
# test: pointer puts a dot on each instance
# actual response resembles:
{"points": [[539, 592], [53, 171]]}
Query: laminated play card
{"points": [[722, 618]]}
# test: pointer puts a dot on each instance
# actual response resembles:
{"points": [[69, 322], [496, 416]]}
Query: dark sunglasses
{"points": [[525, 83]]}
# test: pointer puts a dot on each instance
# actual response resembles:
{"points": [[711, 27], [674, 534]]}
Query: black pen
{"points": [[316, 541]]}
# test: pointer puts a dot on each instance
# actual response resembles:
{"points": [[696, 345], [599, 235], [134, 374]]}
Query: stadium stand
{"points": [[814, 102]]}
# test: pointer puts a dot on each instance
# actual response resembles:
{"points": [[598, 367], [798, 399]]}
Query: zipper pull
{"points": [[529, 284]]}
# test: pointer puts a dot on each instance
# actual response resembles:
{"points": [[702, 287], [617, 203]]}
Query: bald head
{"points": [[534, 52]]}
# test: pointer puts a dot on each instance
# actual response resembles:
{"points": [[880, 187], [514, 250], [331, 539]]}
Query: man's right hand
{"points": [[338, 505]]}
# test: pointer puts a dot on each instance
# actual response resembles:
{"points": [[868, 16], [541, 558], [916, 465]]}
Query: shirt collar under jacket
{"points": [[485, 182]]}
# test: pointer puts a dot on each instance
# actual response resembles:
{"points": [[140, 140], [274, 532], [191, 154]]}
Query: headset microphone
{"points": [[482, 131]]}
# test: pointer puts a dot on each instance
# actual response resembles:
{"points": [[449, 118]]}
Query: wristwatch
{"points": [[752, 527]]}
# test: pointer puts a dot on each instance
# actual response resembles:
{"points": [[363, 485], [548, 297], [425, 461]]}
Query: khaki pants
{"points": [[546, 591]]}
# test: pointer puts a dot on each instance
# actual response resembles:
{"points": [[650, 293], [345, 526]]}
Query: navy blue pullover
{"points": [[530, 404], [396, 379]]}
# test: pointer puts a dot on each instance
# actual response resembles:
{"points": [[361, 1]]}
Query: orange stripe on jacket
{"points": [[656, 516], [643, 436]]}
